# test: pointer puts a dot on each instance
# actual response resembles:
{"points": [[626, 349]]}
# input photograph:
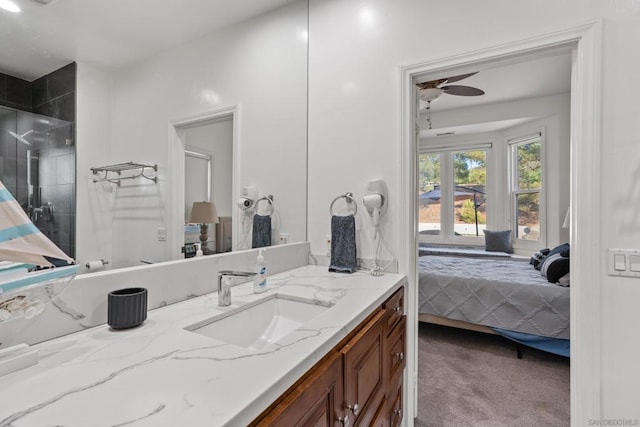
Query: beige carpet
{"points": [[473, 379]]}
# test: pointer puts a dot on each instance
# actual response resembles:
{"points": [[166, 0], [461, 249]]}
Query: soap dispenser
{"points": [[260, 278]]}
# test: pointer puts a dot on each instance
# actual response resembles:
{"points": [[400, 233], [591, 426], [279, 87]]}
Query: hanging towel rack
{"points": [[348, 196], [268, 199], [117, 169]]}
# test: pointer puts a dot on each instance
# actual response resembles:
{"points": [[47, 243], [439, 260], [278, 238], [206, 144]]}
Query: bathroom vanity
{"points": [[333, 349], [359, 381]]}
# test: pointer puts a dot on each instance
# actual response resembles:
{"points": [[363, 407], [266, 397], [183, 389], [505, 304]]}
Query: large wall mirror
{"points": [[220, 91]]}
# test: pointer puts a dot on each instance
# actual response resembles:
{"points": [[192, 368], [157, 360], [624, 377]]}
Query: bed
{"points": [[501, 296]]}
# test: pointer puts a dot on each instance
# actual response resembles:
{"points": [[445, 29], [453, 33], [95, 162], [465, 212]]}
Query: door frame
{"points": [[585, 42], [175, 149]]}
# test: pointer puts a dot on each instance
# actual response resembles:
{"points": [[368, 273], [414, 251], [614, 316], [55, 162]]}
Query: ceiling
{"points": [[110, 33], [541, 76]]}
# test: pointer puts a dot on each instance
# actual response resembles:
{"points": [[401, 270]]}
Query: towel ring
{"points": [[348, 196], [269, 199]]}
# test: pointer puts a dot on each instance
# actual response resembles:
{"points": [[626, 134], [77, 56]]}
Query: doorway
{"points": [[584, 44], [203, 151]]}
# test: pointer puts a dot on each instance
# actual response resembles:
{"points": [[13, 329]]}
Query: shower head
{"points": [[21, 137]]}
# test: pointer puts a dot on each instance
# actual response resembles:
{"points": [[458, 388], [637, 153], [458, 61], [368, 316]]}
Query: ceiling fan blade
{"points": [[438, 82], [462, 90], [460, 77], [430, 84]]}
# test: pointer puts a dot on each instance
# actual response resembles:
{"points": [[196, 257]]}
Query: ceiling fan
{"points": [[434, 89]]}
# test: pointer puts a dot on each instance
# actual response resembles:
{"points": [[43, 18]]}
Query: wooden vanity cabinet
{"points": [[394, 306], [395, 357], [363, 359], [317, 401], [358, 383], [395, 403]]}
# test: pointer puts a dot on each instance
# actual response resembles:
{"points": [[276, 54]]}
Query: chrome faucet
{"points": [[224, 289]]}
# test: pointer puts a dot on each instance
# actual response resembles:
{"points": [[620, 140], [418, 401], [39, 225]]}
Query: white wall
{"points": [[259, 65], [94, 201], [356, 50]]}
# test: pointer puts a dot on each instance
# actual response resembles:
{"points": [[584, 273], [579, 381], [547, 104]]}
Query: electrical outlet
{"points": [[328, 240], [162, 234], [284, 238]]}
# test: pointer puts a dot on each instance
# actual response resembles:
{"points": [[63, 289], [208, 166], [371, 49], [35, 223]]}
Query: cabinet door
{"points": [[363, 370], [395, 403], [316, 402]]}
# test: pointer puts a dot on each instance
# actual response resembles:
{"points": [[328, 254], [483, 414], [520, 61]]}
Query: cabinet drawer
{"points": [[395, 402], [396, 352], [395, 307]]}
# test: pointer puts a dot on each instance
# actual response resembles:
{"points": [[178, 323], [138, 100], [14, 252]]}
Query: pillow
{"points": [[565, 280], [556, 268], [538, 257], [562, 249], [498, 241]]}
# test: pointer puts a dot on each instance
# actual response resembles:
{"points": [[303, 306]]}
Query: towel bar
{"points": [[269, 199], [348, 196]]}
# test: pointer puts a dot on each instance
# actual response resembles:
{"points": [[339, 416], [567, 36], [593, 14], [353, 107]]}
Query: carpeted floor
{"points": [[473, 379]]}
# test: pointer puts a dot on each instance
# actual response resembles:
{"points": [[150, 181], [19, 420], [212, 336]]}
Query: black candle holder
{"points": [[126, 308]]}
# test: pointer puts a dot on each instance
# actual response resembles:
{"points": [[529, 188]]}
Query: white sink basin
{"points": [[258, 325]]}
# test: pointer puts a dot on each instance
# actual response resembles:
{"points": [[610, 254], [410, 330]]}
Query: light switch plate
{"points": [[624, 262]]}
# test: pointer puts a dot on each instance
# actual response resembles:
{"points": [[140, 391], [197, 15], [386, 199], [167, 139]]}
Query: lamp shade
{"points": [[567, 219], [204, 213]]}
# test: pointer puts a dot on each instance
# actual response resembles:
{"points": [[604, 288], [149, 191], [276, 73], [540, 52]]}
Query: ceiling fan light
{"points": [[430, 94]]}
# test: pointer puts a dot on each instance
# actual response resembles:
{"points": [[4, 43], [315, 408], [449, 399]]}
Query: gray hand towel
{"points": [[343, 244], [261, 231]]}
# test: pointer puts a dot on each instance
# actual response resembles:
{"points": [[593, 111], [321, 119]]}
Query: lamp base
{"points": [[204, 236]]}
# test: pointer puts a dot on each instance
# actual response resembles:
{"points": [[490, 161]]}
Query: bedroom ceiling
{"points": [[112, 33], [539, 77]]}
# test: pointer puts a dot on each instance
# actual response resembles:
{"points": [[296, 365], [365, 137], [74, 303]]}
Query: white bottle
{"points": [[260, 279]]}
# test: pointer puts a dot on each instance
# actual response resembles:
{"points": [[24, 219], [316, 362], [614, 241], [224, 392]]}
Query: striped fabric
{"points": [[20, 240]]}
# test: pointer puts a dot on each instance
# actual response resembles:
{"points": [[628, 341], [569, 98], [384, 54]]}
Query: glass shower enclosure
{"points": [[37, 165]]}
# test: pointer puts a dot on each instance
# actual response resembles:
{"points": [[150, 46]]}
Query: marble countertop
{"points": [[160, 374]]}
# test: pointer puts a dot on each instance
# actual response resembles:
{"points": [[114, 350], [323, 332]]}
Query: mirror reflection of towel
{"points": [[261, 235], [343, 244]]}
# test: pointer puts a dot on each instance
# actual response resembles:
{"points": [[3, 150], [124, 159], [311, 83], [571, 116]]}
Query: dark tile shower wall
{"points": [[54, 96], [15, 92]]}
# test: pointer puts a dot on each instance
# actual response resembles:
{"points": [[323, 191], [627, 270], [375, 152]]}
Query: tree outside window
{"points": [[527, 187], [465, 175]]}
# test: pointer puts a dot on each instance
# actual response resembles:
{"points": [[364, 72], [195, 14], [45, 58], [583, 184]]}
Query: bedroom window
{"points": [[526, 187], [452, 199]]}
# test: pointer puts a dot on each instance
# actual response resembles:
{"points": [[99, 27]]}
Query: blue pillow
{"points": [[498, 241]]}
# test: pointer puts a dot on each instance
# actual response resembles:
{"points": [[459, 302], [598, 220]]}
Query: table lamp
{"points": [[204, 213]]}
